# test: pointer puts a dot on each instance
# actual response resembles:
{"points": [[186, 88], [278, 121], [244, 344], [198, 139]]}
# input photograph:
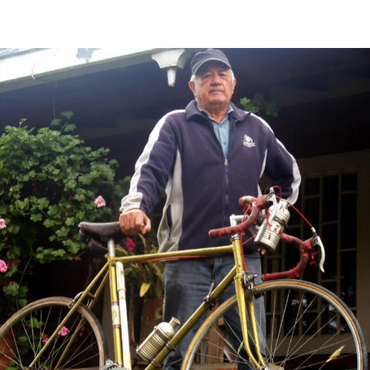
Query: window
{"points": [[329, 202]]}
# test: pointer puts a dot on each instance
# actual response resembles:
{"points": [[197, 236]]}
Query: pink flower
{"points": [[2, 223], [44, 338], [3, 266], [130, 244], [100, 202], [63, 332]]}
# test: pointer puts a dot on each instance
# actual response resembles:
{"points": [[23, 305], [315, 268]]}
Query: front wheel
{"points": [[78, 344], [307, 327]]}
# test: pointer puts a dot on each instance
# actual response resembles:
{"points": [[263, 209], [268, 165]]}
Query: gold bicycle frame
{"points": [[114, 269]]}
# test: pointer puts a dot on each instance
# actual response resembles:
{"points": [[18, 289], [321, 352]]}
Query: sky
{"points": [[188, 23]]}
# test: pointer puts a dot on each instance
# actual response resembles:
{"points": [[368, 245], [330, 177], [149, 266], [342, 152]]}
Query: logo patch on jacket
{"points": [[248, 141]]}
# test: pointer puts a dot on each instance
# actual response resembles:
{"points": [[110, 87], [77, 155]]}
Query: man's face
{"points": [[214, 86]]}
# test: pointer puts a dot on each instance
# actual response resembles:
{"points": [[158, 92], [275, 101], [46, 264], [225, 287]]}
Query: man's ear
{"points": [[234, 84], [192, 87]]}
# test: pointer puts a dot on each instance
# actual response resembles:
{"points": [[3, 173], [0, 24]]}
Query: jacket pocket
{"points": [[169, 220]]}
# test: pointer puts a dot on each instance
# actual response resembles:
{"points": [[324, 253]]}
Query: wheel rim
{"points": [[307, 328], [28, 331]]}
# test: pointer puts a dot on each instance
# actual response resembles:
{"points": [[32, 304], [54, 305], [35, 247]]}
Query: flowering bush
{"points": [[50, 181]]}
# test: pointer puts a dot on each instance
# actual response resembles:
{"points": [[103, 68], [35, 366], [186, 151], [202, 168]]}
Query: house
{"points": [[117, 96]]}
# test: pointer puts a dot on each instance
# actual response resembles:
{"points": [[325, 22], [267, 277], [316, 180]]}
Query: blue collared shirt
{"points": [[222, 130]]}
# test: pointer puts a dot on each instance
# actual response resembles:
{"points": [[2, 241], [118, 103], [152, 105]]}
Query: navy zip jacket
{"points": [[184, 159]]}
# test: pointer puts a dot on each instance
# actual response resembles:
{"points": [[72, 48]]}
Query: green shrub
{"points": [[259, 105], [50, 181]]}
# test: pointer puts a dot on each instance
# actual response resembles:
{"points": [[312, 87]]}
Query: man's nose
{"points": [[216, 79]]}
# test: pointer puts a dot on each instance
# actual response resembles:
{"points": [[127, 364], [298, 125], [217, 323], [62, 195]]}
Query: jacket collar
{"points": [[192, 111]]}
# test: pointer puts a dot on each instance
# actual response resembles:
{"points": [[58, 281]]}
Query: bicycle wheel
{"points": [[79, 344], [307, 327]]}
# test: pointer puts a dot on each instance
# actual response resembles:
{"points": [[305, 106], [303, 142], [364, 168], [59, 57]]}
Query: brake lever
{"points": [[317, 242]]}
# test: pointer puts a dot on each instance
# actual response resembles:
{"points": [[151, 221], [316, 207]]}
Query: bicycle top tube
{"points": [[188, 253]]}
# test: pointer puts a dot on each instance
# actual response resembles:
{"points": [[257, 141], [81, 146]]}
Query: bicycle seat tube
{"points": [[245, 304], [114, 268]]}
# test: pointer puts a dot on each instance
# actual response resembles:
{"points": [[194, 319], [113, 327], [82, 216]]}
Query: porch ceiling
{"points": [[318, 90]]}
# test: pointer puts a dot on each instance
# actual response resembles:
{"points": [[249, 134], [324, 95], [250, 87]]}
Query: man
{"points": [[204, 158]]}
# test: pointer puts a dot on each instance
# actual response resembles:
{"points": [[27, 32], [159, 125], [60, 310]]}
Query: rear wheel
{"points": [[307, 327], [78, 344]]}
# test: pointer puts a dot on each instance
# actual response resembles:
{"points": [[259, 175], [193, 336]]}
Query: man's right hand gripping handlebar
{"points": [[257, 205], [134, 222]]}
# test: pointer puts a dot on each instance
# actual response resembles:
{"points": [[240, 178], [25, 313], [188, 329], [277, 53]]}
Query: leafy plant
{"points": [[259, 105], [50, 181]]}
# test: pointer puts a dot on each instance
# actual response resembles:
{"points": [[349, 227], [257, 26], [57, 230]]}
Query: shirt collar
{"points": [[229, 110]]}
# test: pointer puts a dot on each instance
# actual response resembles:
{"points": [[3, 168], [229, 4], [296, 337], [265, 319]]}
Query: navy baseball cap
{"points": [[206, 56]]}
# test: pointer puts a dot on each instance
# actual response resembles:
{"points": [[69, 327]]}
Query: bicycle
{"points": [[307, 326]]}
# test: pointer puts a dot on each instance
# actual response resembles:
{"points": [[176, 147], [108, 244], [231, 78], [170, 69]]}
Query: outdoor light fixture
{"points": [[170, 60]]}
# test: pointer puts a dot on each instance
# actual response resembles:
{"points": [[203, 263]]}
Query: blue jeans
{"points": [[187, 282]]}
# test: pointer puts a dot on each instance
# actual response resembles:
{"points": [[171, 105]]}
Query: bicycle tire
{"points": [[307, 325], [25, 333]]}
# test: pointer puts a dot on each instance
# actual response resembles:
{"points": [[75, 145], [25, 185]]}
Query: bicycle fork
{"points": [[244, 282]]}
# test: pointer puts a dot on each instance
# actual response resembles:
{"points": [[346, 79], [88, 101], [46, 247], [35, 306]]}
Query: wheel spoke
{"points": [[78, 345], [302, 326]]}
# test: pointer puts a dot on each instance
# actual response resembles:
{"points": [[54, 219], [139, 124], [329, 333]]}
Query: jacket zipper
{"points": [[226, 165]]}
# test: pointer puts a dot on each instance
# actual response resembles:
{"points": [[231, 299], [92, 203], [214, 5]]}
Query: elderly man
{"points": [[204, 157]]}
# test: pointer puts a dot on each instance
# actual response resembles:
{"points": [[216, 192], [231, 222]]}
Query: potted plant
{"points": [[146, 279], [146, 276]]}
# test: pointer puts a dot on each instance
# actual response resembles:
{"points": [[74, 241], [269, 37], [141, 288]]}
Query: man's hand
{"points": [[134, 222]]}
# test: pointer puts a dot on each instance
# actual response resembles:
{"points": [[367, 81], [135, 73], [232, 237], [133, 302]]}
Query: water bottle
{"points": [[270, 231], [157, 339]]}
